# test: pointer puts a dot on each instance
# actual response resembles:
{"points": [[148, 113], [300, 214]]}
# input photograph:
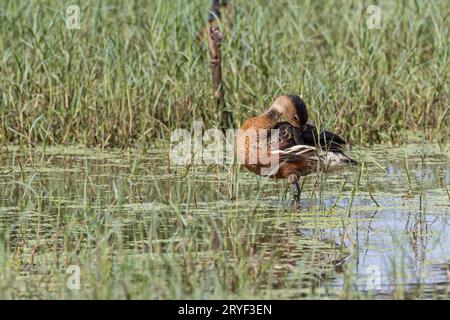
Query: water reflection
{"points": [[396, 232]]}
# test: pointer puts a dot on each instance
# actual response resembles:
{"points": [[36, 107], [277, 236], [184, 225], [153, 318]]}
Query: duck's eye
{"points": [[296, 117]]}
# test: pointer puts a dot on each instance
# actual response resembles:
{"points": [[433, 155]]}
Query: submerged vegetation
{"points": [[138, 69], [86, 188], [135, 230]]}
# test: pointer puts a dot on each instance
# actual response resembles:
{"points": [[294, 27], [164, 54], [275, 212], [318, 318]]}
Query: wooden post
{"points": [[215, 39]]}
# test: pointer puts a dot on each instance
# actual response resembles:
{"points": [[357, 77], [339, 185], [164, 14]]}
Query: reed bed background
{"points": [[138, 69]]}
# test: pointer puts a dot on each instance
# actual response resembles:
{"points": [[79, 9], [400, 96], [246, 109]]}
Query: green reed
{"points": [[137, 70]]}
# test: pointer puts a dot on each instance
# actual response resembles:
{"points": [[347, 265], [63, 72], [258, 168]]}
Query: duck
{"points": [[298, 147]]}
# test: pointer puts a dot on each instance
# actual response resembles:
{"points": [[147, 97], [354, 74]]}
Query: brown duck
{"points": [[297, 146]]}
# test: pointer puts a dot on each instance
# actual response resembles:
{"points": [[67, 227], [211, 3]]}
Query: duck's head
{"points": [[293, 108]]}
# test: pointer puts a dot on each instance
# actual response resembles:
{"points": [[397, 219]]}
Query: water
{"points": [[386, 236]]}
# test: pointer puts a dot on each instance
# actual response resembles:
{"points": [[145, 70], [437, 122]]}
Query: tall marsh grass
{"points": [[138, 69]]}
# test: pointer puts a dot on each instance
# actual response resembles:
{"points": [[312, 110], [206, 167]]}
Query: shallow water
{"points": [[384, 236]]}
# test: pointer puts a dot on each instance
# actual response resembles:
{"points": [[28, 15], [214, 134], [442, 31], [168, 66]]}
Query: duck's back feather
{"points": [[305, 143], [290, 136]]}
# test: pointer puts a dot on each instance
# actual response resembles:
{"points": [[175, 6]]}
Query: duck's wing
{"points": [[294, 143], [328, 141], [290, 145], [287, 136]]}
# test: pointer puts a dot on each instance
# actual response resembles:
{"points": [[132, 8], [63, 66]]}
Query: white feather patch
{"points": [[328, 160], [296, 150]]}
